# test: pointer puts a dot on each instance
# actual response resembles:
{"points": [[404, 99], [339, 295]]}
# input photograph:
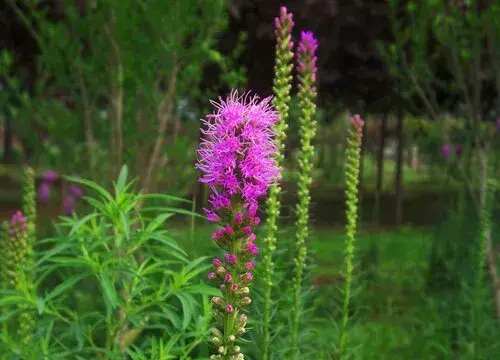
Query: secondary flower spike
{"points": [[237, 161]]}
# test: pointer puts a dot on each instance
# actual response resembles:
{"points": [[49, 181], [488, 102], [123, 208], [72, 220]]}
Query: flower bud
{"points": [[217, 262], [221, 271], [230, 258], [216, 332], [256, 220], [221, 350], [217, 300], [234, 287], [247, 278], [250, 265], [240, 331], [216, 340], [236, 349], [222, 287], [247, 229], [252, 237], [231, 338], [229, 309], [252, 249], [238, 219], [228, 229], [243, 320], [228, 278], [212, 275], [245, 301], [244, 291]]}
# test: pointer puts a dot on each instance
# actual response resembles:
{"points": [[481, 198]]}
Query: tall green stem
{"points": [[353, 154], [306, 68], [281, 87]]}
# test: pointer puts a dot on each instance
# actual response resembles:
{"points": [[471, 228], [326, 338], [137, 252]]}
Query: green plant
{"points": [[281, 88], [306, 67], [113, 282], [353, 153]]}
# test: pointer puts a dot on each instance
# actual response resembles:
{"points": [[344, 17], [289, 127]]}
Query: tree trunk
{"points": [[399, 168], [380, 168]]}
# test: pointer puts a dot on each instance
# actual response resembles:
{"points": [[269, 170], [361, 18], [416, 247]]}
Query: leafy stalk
{"points": [[306, 67], [281, 87], [352, 180]]}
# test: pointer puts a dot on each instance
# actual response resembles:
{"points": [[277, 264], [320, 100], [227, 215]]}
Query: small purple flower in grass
{"points": [[44, 192], [50, 176], [75, 191], [69, 205], [445, 150], [237, 160]]}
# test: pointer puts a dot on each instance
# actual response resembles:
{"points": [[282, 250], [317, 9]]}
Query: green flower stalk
{"points": [[306, 69], [18, 250], [353, 154], [4, 264], [29, 203], [281, 88]]}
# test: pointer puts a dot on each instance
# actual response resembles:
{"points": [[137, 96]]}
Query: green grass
{"points": [[394, 320]]}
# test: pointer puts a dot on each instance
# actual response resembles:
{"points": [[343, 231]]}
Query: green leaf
{"points": [[202, 289], [105, 194], [163, 197], [65, 286], [122, 179], [187, 309], [110, 295], [157, 222]]}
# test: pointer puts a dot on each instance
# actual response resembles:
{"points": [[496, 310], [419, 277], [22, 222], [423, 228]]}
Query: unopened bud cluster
{"points": [[233, 275]]}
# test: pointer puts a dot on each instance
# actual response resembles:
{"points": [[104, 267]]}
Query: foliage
{"points": [[114, 282]]}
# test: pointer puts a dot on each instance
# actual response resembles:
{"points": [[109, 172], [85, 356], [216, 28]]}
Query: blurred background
{"points": [[87, 86]]}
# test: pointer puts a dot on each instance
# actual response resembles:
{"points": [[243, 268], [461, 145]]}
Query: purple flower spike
{"points": [[306, 54], [69, 205], [44, 192], [75, 191], [236, 152], [50, 176], [445, 150]]}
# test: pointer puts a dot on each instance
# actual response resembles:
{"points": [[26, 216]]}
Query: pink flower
{"points": [[250, 265], [212, 275], [306, 54], [256, 220], [252, 237], [247, 229], [229, 309], [230, 258], [75, 191], [50, 176], [234, 287], [445, 150], [217, 262], [228, 229], [69, 205], [238, 219], [44, 192], [228, 278], [252, 249], [236, 152]]}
